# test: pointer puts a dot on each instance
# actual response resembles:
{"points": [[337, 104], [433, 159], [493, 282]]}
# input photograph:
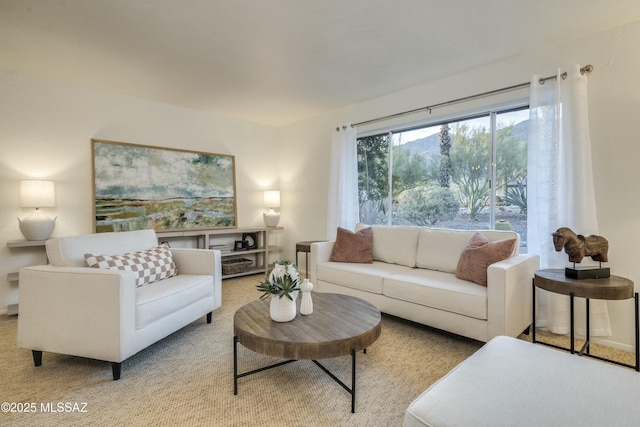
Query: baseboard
{"points": [[614, 344]]}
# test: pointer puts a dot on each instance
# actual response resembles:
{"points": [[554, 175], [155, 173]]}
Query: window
{"points": [[467, 174]]}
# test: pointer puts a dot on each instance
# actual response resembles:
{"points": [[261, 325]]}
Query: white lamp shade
{"points": [[37, 194], [272, 199]]}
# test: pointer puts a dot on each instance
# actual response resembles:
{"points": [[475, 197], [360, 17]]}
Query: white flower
{"points": [[293, 273], [278, 273]]}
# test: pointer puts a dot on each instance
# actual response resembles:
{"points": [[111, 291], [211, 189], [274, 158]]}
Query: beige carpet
{"points": [[187, 379]]}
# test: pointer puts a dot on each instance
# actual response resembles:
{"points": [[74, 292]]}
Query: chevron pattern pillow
{"points": [[148, 266]]}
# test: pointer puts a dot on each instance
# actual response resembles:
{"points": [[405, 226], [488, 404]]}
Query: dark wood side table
{"points": [[306, 248], [340, 325], [611, 288]]}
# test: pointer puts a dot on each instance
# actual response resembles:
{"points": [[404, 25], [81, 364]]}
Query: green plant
{"points": [[427, 205], [282, 279], [517, 195]]}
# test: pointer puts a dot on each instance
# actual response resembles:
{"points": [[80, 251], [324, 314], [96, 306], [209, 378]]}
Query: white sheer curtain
{"points": [[342, 207], [560, 190]]}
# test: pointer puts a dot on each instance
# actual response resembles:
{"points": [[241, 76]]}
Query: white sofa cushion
{"points": [[440, 249], [394, 244], [439, 290], [364, 277], [169, 296]]}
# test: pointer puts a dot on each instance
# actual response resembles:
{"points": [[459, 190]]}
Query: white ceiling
{"points": [[280, 61]]}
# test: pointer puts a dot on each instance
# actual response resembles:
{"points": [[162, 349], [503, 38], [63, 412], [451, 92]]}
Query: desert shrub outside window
{"points": [[468, 173]]}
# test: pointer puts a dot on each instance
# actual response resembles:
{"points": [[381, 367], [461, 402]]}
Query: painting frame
{"points": [[166, 189]]}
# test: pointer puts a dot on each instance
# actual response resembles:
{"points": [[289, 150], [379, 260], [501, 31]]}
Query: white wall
{"points": [[45, 132], [614, 102]]}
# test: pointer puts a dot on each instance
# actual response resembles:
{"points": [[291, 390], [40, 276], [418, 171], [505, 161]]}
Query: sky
{"points": [[512, 116]]}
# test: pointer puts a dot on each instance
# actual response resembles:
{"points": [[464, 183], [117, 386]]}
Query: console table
{"points": [[223, 240], [610, 288], [306, 248]]}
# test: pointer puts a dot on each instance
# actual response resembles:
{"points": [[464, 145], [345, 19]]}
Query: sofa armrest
{"points": [[509, 295], [80, 311], [320, 252], [201, 262]]}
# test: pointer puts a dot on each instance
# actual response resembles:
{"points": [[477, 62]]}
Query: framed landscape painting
{"points": [[138, 187]]}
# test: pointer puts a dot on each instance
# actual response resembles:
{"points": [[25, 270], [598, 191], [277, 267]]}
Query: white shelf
{"points": [[24, 243], [259, 256], [14, 277]]}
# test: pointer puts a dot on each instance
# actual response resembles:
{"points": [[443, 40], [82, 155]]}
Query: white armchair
{"points": [[67, 307]]}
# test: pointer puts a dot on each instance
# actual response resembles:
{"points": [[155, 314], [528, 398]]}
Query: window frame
{"points": [[490, 111]]}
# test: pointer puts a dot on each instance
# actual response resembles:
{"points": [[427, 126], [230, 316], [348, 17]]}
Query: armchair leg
{"points": [[209, 314], [116, 368], [37, 357]]}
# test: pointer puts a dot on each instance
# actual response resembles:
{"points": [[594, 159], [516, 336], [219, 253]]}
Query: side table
{"points": [[611, 288], [306, 248]]}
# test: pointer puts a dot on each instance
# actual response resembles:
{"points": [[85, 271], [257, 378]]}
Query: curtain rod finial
{"points": [[586, 69]]}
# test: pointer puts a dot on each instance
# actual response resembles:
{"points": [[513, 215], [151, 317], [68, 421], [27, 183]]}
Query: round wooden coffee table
{"points": [[340, 325]]}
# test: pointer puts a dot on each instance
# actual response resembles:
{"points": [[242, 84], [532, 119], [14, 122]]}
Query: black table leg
{"points": [[353, 381], [235, 366], [635, 298], [572, 322], [533, 312], [588, 331]]}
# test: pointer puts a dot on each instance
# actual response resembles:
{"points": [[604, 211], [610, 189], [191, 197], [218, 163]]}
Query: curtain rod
{"points": [[585, 69]]}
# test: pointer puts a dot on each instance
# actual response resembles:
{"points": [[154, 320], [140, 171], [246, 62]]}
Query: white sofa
{"points": [[69, 308], [413, 277]]}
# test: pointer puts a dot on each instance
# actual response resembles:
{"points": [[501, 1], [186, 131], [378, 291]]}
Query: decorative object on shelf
{"points": [[251, 239], [37, 194], [577, 247], [241, 245], [306, 303], [235, 265], [282, 283], [271, 201]]}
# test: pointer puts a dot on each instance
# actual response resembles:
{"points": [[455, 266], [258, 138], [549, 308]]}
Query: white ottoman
{"points": [[510, 382]]}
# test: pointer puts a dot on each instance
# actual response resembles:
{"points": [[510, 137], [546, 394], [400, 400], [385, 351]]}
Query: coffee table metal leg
{"points": [[235, 365], [352, 390], [353, 381]]}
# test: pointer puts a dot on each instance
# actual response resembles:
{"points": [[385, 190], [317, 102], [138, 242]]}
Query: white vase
{"points": [[282, 309], [306, 304]]}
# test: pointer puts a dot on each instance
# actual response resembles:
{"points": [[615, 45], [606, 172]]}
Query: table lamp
{"points": [[271, 201], [37, 194]]}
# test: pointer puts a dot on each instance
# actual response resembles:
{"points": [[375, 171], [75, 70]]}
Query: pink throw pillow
{"points": [[353, 247], [478, 254]]}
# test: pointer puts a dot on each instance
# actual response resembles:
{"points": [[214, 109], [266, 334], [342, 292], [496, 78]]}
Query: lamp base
{"points": [[271, 220], [37, 226]]}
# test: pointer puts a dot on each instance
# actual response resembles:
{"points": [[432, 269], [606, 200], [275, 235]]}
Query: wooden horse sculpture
{"points": [[577, 246]]}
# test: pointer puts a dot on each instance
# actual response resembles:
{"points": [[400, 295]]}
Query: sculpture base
{"points": [[587, 273]]}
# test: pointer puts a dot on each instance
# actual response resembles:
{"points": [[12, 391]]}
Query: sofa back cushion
{"points": [[440, 248], [69, 251], [394, 244]]}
